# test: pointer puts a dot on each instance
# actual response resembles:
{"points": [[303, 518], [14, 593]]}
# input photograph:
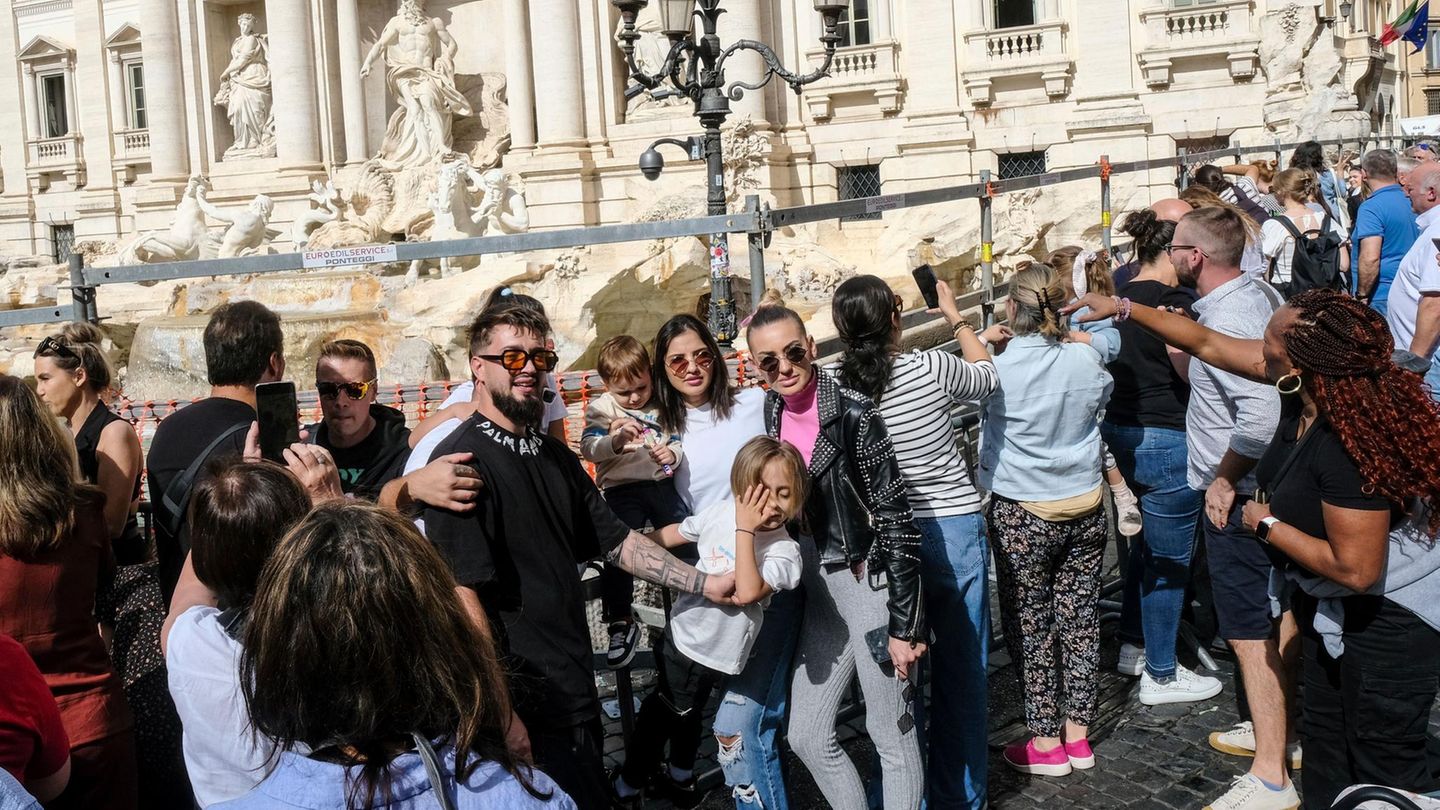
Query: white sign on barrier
{"points": [[345, 257], [889, 202]]}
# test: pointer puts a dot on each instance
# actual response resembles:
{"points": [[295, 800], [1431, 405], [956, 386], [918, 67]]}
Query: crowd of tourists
{"points": [[396, 617]]}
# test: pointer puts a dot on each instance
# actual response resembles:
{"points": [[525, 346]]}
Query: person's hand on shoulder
{"points": [[446, 483]]}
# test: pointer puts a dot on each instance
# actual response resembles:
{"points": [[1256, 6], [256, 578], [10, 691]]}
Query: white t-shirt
{"points": [[704, 475], [1417, 274], [224, 759], [720, 636], [1277, 243]]}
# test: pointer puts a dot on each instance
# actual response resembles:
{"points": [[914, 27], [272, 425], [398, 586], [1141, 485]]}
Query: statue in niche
{"points": [[420, 72], [249, 227], [186, 238], [650, 51], [245, 94]]}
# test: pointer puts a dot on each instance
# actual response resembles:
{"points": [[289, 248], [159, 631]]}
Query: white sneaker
{"points": [[1131, 661], [1240, 741], [1127, 511], [1185, 687], [1249, 793]]}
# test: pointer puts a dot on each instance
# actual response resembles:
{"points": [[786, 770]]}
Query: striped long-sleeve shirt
{"points": [[917, 409]]}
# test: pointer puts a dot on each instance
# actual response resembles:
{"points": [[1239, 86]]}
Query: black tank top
{"points": [[131, 547]]}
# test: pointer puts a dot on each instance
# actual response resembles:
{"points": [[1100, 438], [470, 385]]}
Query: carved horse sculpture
{"points": [[328, 198], [455, 214], [187, 237]]}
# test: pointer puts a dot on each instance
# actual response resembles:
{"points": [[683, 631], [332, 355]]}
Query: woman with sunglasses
{"points": [[1353, 455], [916, 393], [73, 377], [698, 401], [861, 570]]}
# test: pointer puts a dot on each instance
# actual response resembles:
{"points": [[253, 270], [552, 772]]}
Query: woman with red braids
{"points": [[1352, 480]]}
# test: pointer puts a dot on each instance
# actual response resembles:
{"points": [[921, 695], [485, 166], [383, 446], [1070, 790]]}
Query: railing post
{"points": [[82, 297], [987, 251], [1277, 152], [1182, 173], [756, 237], [1105, 201]]}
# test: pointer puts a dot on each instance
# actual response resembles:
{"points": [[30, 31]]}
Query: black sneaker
{"points": [[683, 794], [618, 802], [624, 638]]}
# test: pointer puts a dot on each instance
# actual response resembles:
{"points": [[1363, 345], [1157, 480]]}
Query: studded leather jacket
{"points": [[857, 510]]}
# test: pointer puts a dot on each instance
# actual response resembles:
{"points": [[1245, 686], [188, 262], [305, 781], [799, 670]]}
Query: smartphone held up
{"points": [[926, 280], [279, 417]]}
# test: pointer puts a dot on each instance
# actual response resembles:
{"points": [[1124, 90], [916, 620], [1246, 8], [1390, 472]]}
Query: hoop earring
{"points": [[1294, 383]]}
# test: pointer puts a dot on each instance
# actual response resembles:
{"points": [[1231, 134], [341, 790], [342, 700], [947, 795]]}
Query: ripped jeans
{"points": [[753, 711]]}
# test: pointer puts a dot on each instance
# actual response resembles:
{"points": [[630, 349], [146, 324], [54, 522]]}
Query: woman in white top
{"points": [[917, 393], [698, 402], [237, 518], [1298, 191]]}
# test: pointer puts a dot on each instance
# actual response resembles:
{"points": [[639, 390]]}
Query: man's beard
{"points": [[522, 411]]}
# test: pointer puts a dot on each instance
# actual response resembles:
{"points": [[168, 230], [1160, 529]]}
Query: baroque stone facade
{"points": [[132, 121]]}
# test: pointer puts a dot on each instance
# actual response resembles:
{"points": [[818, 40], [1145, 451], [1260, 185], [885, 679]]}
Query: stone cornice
{"points": [[24, 8]]}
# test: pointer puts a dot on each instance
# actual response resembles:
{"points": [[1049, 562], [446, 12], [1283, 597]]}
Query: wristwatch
{"points": [[1262, 529]]}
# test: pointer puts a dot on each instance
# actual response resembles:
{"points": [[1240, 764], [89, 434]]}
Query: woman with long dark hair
{"points": [[357, 651], [1350, 487], [698, 401], [916, 393], [864, 611], [54, 557]]}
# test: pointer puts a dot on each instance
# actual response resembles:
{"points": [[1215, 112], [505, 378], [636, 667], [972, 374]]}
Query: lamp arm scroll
{"points": [[773, 67]]}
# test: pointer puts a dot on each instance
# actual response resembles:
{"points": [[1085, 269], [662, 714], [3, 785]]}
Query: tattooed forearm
{"points": [[650, 562]]}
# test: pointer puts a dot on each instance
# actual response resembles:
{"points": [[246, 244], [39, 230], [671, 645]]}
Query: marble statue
{"points": [[420, 71], [328, 198], [249, 227], [651, 49], [501, 210], [245, 94], [185, 239]]}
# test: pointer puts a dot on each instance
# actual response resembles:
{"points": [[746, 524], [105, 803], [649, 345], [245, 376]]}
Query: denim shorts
{"points": [[1240, 569]]}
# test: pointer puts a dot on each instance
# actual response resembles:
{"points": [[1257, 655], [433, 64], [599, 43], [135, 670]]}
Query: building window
{"points": [[62, 238], [855, 24], [1014, 13], [856, 182], [135, 95], [1432, 102], [1432, 50], [1021, 164], [1197, 146], [53, 102]]}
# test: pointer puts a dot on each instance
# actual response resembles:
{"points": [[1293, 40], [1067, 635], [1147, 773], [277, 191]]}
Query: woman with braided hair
{"points": [[1040, 459], [1349, 487]]}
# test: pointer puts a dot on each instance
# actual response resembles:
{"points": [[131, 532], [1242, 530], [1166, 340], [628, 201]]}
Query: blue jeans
{"points": [[953, 573], [1153, 461], [754, 709]]}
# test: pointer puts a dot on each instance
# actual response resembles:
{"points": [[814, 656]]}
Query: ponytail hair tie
{"points": [[1078, 279]]}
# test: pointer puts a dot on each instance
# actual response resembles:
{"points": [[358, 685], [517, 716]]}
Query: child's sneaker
{"points": [[624, 639], [1127, 510], [1024, 758]]}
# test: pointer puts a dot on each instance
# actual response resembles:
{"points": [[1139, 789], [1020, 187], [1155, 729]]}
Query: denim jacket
{"points": [[1041, 435]]}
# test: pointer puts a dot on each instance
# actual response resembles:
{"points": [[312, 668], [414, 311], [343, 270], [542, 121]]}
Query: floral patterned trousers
{"points": [[1049, 582]]}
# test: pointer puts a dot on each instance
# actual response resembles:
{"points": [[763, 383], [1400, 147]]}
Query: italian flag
{"points": [[1412, 25]]}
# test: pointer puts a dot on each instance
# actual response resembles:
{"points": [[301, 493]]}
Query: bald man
{"points": [[1170, 210], [1414, 301]]}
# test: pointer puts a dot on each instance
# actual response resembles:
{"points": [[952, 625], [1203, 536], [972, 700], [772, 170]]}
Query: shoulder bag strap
{"points": [[1285, 468], [432, 770], [176, 497]]}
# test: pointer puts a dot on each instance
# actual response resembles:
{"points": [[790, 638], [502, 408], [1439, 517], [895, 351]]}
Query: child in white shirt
{"points": [[707, 643]]}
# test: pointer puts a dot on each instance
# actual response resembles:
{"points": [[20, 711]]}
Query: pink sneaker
{"points": [[1081, 757], [1024, 758]]}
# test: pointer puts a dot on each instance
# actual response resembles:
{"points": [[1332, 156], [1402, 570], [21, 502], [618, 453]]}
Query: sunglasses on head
{"points": [[50, 347], [514, 360], [679, 363], [353, 390], [795, 354]]}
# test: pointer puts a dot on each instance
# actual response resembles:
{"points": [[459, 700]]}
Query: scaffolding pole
{"points": [[987, 250]]}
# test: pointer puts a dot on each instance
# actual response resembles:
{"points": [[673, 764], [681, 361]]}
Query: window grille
{"points": [[856, 182], [1021, 164]]}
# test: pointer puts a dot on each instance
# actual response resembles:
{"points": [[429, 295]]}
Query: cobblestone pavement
{"points": [[1146, 757]]}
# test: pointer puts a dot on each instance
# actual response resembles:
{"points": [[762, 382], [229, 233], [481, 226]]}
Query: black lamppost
{"points": [[696, 68]]}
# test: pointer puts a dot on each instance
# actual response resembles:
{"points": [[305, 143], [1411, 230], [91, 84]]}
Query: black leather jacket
{"points": [[857, 509]]}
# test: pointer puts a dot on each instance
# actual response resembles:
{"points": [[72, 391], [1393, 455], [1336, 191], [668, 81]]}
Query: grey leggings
{"points": [[838, 613]]}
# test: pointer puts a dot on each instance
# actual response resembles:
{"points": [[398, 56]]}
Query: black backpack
{"points": [[1315, 263]]}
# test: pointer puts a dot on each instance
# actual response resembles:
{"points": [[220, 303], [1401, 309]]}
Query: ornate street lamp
{"points": [[696, 68]]}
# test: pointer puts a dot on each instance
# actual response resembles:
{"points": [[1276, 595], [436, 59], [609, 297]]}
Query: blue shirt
{"points": [[1388, 215], [1041, 436], [13, 796], [301, 782]]}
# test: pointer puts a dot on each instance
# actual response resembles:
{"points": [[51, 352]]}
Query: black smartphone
{"points": [[926, 279], [878, 642], [279, 413]]}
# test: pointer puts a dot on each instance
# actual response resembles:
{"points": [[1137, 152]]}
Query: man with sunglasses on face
{"points": [[368, 441], [515, 554]]}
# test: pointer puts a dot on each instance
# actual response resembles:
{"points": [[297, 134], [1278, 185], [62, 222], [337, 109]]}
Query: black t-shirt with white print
{"points": [[538, 516]]}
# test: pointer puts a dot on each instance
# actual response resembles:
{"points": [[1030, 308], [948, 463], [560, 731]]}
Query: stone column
{"points": [[743, 20], [32, 104], [559, 106], [520, 86], [72, 101], [164, 95], [119, 104], [352, 88], [292, 82]]}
